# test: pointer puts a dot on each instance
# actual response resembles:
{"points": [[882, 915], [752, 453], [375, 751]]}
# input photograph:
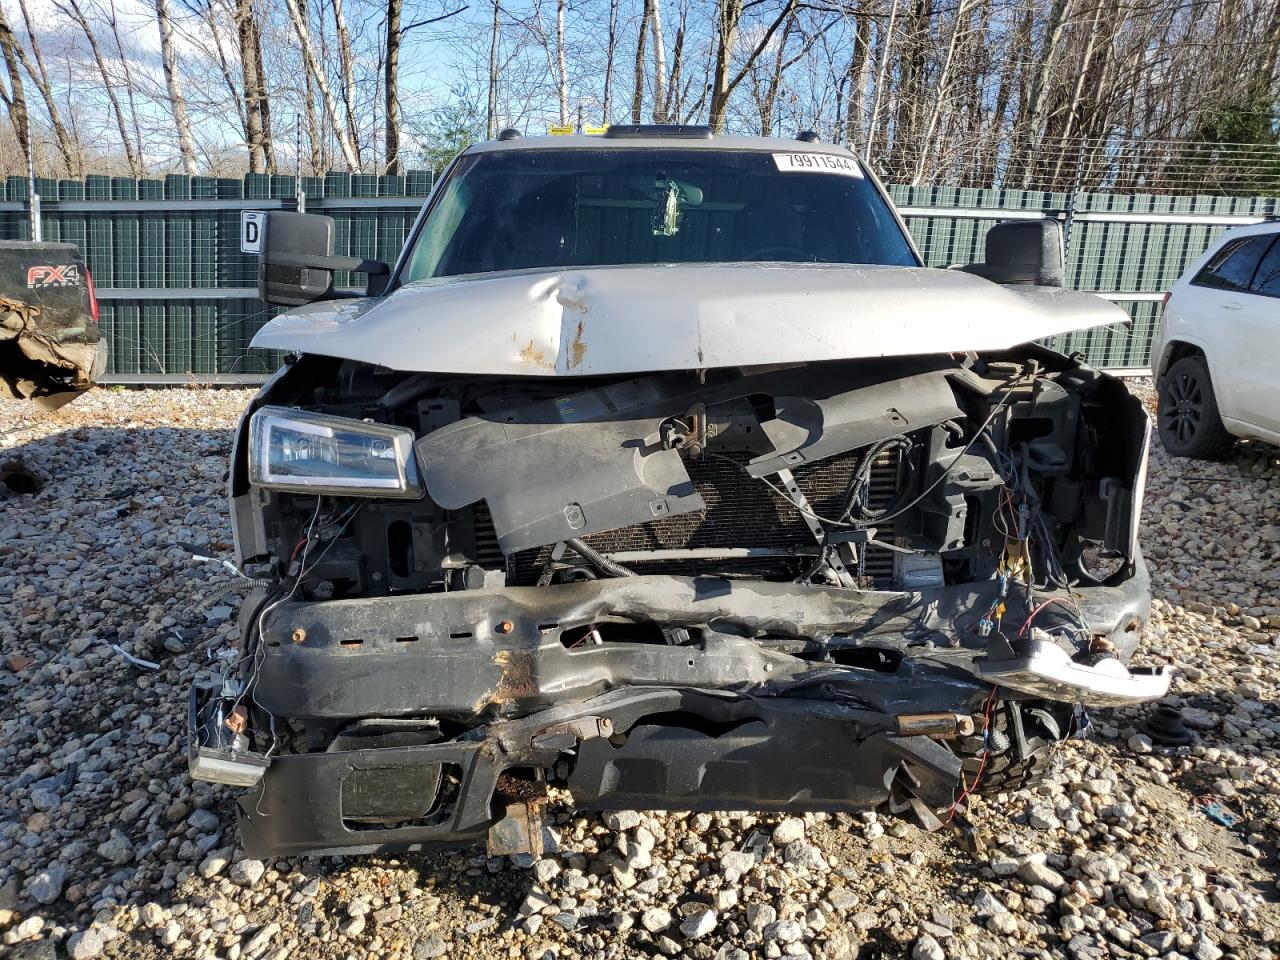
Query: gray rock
{"points": [[735, 863], [430, 947], [545, 870], [785, 931], [46, 886], [927, 948], [1140, 743], [620, 821], [1038, 874], [206, 821], [248, 872], [985, 904], [214, 863], [85, 945], [655, 919], [698, 924], [788, 831], [760, 915], [117, 850]]}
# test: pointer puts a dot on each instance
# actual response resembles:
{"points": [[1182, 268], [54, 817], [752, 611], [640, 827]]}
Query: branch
{"points": [[787, 11], [431, 20]]}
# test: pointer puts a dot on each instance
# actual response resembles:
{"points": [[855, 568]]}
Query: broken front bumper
{"points": [[729, 722], [682, 749]]}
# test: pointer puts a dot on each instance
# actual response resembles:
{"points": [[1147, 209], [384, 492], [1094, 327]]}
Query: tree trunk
{"points": [[770, 96], [391, 89], [346, 62], [637, 96], [14, 99], [260, 94], [330, 104], [1029, 129], [675, 95], [76, 14], [562, 76], [730, 15], [610, 51], [886, 54], [491, 122], [114, 23], [940, 97], [855, 108], [70, 155], [659, 62], [168, 57], [249, 72]]}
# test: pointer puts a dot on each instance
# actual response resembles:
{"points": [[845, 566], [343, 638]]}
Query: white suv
{"points": [[1216, 354]]}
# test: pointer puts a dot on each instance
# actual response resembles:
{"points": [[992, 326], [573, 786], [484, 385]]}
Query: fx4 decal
{"points": [[52, 275]]}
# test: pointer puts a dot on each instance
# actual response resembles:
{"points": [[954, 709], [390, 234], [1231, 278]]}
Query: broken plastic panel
{"points": [[215, 752], [1046, 670]]}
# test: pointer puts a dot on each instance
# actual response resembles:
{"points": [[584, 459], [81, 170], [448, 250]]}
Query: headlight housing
{"points": [[316, 453]]}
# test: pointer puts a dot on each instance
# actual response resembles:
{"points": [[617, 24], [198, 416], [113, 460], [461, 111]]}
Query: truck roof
{"points": [[659, 141]]}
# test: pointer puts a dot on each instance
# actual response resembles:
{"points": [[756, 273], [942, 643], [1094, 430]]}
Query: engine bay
{"points": [[887, 475]]}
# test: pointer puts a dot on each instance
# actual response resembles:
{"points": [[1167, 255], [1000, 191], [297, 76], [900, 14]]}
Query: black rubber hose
{"points": [[599, 560]]}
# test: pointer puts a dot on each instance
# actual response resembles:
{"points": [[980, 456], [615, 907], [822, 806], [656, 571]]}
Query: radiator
{"points": [[742, 512]]}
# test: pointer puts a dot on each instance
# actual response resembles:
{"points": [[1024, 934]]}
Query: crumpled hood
{"points": [[617, 320]]}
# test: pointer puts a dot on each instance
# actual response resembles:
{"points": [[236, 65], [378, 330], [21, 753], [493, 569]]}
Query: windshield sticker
{"points": [[817, 163]]}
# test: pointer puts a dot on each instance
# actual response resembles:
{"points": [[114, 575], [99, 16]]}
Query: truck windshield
{"points": [[552, 208]]}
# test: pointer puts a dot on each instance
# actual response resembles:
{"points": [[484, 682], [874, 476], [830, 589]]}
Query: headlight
{"points": [[315, 453]]}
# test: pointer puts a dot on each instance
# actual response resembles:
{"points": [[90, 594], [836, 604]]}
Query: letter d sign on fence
{"points": [[251, 222]]}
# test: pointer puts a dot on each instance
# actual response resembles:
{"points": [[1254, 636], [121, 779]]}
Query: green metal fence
{"points": [[178, 300]]}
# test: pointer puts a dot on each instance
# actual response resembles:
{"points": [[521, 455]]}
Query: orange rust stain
{"points": [[577, 349], [535, 355], [515, 680]]}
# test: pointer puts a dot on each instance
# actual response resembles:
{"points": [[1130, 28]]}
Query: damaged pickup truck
{"points": [[660, 470], [51, 348]]}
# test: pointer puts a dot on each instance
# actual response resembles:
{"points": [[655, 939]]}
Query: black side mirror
{"points": [[296, 261], [1023, 251]]}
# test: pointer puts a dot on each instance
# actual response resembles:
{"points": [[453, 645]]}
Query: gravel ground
{"points": [[107, 849]]}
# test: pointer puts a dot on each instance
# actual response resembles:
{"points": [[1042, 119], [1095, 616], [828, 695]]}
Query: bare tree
{"points": [[562, 76], [659, 62], [169, 59], [611, 47], [14, 99], [113, 21], [72, 9], [391, 87], [637, 95], [40, 76], [726, 81], [346, 62], [303, 32], [491, 121]]}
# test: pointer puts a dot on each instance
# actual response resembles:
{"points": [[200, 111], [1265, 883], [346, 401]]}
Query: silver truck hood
{"points": [[617, 320]]}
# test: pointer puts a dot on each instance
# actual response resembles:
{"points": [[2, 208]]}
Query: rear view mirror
{"points": [[1023, 251], [296, 262]]}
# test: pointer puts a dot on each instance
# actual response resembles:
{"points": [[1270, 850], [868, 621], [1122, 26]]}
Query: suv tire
{"points": [[1044, 726], [1187, 413]]}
